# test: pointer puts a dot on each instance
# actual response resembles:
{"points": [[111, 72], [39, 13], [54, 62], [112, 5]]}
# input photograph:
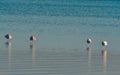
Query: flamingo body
{"points": [[32, 38], [8, 36]]}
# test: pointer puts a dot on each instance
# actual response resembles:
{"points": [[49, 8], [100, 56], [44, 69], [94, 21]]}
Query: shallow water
{"points": [[61, 28], [34, 61]]}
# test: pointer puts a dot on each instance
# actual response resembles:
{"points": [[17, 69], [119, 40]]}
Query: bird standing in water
{"points": [[104, 43], [8, 36], [104, 51], [89, 41], [32, 38]]}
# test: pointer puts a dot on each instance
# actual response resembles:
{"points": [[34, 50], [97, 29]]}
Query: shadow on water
{"points": [[104, 60], [9, 46]]}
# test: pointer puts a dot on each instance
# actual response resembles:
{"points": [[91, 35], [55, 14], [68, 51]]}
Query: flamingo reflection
{"points": [[33, 50], [9, 46], [32, 47], [104, 59], [89, 51]]}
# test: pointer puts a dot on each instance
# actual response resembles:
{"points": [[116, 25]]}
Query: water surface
{"points": [[61, 28]]}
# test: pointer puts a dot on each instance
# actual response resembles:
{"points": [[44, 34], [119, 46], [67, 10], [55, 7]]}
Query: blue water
{"points": [[61, 28]]}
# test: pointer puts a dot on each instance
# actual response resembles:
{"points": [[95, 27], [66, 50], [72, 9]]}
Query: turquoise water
{"points": [[61, 28]]}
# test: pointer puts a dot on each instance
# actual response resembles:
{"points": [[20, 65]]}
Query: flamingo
{"points": [[8, 36], [104, 52], [89, 40], [32, 38], [104, 43]]}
